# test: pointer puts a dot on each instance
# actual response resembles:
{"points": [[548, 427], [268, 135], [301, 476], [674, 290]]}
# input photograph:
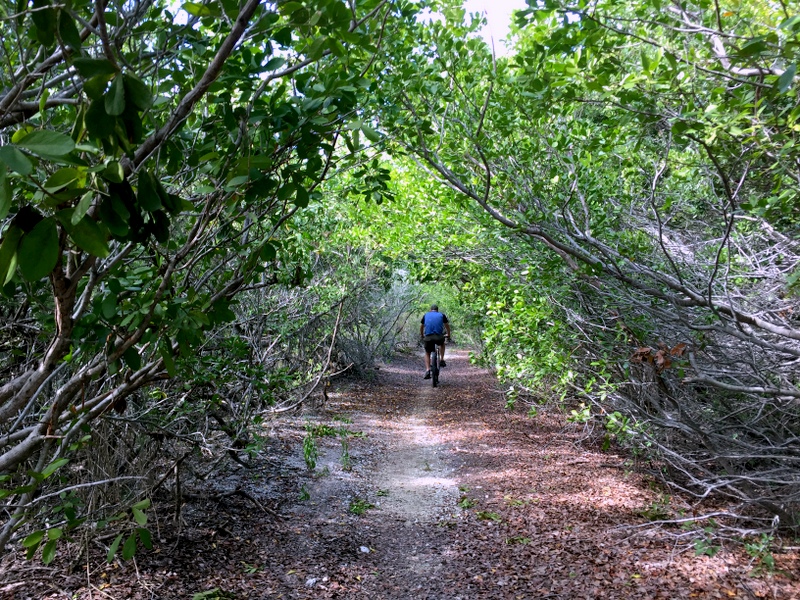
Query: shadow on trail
{"points": [[420, 493]]}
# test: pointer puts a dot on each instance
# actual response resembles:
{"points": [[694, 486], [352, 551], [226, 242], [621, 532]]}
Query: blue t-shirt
{"points": [[434, 322]]}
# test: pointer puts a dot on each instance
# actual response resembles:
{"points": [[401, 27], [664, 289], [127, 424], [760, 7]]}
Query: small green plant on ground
{"points": [[345, 432], [310, 450], [658, 510], [466, 502], [582, 415], [345, 458], [359, 506], [761, 551], [485, 515], [304, 493], [511, 501], [133, 523], [619, 428], [382, 493], [518, 539], [705, 546], [250, 569], [321, 430]]}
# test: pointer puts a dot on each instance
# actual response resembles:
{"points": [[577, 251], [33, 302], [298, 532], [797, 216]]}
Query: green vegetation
{"points": [[485, 515], [466, 502], [310, 449], [209, 212], [359, 506]]}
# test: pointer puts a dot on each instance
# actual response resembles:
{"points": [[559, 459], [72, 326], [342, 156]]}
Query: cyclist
{"points": [[432, 330]]}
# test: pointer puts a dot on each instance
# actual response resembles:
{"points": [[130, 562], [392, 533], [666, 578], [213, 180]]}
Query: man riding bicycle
{"points": [[432, 331]]}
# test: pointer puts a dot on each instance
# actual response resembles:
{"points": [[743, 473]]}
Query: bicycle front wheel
{"points": [[435, 368]]}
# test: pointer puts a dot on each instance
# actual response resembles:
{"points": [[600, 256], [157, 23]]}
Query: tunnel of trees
{"points": [[209, 211]]}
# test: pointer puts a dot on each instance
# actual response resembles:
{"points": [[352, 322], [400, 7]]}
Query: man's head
{"points": [[435, 307]]}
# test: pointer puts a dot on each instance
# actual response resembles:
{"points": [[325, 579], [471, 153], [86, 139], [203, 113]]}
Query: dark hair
{"points": [[434, 307]]}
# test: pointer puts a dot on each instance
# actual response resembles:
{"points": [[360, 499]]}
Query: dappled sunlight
{"points": [[428, 481], [524, 492]]}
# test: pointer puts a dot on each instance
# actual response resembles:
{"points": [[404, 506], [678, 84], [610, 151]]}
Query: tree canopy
{"points": [[651, 146]]}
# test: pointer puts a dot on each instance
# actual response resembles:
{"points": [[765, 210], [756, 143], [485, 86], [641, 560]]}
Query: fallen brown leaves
{"points": [[536, 515]]}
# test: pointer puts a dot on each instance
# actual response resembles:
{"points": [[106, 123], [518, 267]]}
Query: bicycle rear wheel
{"points": [[435, 367]]}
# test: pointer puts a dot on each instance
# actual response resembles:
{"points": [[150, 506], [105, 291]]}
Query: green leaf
{"points": [[60, 179], [49, 552], [301, 197], [139, 517], [114, 100], [147, 194], [197, 10], [286, 190], [129, 548], [200, 317], [147, 540], [109, 306], [791, 23], [95, 87], [45, 20], [38, 250], [753, 47], [89, 236], [15, 160], [142, 504], [371, 134], [169, 362], [8, 253], [115, 223], [99, 123], [288, 8], [171, 202], [31, 552], [92, 67], [267, 252], [68, 31], [274, 63], [54, 466], [33, 540], [51, 143], [137, 92], [43, 101], [5, 194], [237, 181], [786, 79], [283, 36], [54, 533], [220, 311], [113, 172], [80, 209], [112, 550], [133, 360]]}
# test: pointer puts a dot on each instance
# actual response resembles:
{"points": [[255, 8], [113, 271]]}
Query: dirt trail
{"points": [[460, 497]]}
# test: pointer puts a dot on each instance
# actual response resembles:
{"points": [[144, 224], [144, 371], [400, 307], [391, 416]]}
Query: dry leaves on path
{"points": [[432, 493]]}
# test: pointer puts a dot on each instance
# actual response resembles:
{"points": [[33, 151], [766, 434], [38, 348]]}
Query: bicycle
{"points": [[434, 361], [434, 357]]}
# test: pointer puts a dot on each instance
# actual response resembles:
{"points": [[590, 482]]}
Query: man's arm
{"points": [[447, 327]]}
